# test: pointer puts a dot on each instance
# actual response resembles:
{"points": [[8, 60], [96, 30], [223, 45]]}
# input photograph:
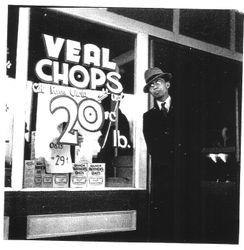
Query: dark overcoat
{"points": [[158, 131]]}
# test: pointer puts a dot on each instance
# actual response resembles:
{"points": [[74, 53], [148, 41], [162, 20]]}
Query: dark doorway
{"points": [[206, 91]]}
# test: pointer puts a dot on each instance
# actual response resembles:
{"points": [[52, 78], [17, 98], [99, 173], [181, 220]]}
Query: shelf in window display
{"points": [[8, 189]]}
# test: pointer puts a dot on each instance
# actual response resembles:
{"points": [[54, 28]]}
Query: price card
{"points": [[62, 114]]}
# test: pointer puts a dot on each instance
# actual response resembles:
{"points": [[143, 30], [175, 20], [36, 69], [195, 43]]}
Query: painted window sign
{"points": [[92, 56], [70, 95], [88, 113]]}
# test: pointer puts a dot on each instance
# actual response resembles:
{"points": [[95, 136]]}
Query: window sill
{"points": [[8, 189]]}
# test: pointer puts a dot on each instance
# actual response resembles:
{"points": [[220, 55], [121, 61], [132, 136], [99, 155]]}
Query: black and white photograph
{"points": [[122, 123]]}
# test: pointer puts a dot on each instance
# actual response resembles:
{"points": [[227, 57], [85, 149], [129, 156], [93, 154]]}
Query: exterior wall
{"points": [[20, 205]]}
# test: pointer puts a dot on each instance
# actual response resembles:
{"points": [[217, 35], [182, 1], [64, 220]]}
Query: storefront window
{"points": [[79, 112]]}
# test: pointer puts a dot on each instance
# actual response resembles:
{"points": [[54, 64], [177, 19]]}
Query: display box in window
{"points": [[79, 177], [29, 173], [35, 175], [96, 175], [60, 180], [47, 180], [38, 173]]}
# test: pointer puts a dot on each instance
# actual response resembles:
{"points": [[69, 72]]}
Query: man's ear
{"points": [[167, 85]]}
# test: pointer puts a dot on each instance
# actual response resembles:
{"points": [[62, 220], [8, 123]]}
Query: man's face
{"points": [[159, 89]]}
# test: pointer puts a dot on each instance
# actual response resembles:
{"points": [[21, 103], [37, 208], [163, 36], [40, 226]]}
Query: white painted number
{"points": [[89, 113], [68, 135]]}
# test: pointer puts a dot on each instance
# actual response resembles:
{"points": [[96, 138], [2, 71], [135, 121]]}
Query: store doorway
{"points": [[206, 92]]}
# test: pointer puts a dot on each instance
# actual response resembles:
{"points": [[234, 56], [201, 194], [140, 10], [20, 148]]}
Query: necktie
{"points": [[164, 109]]}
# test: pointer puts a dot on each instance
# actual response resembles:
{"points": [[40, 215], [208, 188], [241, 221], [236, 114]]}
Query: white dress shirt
{"points": [[167, 103]]}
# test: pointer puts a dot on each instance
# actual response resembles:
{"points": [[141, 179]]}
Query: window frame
{"points": [[140, 158]]}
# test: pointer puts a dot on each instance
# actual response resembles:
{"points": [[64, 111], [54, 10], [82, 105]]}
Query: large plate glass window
{"points": [[79, 112]]}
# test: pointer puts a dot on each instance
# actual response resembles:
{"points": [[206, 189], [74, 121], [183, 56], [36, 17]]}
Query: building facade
{"points": [[76, 163]]}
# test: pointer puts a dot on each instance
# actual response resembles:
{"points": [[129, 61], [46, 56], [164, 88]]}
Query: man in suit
{"points": [[158, 129]]}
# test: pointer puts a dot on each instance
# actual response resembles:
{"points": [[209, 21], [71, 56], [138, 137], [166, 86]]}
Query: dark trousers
{"points": [[161, 203]]}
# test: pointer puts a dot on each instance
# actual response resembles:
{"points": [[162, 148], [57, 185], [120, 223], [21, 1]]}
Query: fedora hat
{"points": [[152, 74]]}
